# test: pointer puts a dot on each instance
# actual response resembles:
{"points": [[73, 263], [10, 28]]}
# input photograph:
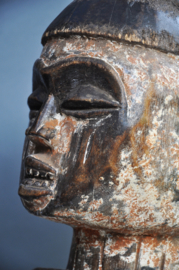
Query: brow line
{"points": [[40, 64]]}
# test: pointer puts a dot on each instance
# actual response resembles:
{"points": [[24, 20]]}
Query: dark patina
{"points": [[101, 150]]}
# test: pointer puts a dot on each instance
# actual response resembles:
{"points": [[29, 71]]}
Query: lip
{"points": [[29, 191], [40, 178], [36, 163]]}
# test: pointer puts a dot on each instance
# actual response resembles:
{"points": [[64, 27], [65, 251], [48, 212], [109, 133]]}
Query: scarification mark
{"points": [[112, 12], [87, 151], [162, 263], [137, 259], [87, 147], [78, 144]]}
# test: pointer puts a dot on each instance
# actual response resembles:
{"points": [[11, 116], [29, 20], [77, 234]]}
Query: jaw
{"points": [[36, 198], [37, 204]]}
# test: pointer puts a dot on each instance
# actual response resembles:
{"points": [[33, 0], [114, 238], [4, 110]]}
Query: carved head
{"points": [[102, 145]]}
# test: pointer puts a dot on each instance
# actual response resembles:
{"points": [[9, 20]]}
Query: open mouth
{"points": [[40, 178]]}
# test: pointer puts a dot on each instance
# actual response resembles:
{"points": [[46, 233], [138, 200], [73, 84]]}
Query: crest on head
{"points": [[146, 22]]}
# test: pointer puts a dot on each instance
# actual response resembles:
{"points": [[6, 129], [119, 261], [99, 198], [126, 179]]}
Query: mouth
{"points": [[40, 178]]}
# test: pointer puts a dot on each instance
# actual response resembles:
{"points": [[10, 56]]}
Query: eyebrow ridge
{"points": [[101, 64]]}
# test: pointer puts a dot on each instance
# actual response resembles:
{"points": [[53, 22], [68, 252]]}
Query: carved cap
{"points": [[153, 23]]}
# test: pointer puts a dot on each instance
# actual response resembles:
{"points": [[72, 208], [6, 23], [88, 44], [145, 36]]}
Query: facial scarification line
{"points": [[91, 136], [87, 147]]}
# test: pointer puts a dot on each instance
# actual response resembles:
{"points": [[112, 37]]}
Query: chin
{"points": [[36, 205], [37, 194]]}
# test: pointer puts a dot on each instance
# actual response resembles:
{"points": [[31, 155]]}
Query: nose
{"points": [[43, 126]]}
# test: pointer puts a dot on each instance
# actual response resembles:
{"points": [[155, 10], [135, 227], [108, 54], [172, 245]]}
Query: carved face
{"points": [[102, 144]]}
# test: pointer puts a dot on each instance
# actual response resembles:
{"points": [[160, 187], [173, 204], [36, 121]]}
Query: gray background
{"points": [[26, 241]]}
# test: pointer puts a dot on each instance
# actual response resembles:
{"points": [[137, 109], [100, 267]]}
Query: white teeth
{"points": [[37, 183], [47, 183], [40, 174], [27, 171], [50, 176], [36, 173]]}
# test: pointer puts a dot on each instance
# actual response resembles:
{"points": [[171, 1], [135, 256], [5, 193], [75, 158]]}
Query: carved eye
{"points": [[86, 105], [89, 102], [36, 100]]}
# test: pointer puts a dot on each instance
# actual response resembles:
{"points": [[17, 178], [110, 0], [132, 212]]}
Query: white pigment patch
{"points": [[168, 99]]}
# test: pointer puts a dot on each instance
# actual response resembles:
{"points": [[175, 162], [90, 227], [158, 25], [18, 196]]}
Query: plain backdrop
{"points": [[26, 241]]}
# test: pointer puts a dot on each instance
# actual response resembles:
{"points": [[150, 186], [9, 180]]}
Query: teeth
{"points": [[36, 173], [44, 184], [50, 176], [40, 174], [29, 171], [30, 182], [47, 183], [37, 183]]}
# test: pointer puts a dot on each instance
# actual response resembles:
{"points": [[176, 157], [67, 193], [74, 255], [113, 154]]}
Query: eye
{"points": [[89, 102], [36, 100], [86, 105]]}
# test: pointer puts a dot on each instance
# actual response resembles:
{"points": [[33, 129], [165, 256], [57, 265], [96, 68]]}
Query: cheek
{"points": [[64, 134], [62, 140], [155, 143]]}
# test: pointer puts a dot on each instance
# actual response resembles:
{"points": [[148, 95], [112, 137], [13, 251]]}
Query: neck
{"points": [[97, 250]]}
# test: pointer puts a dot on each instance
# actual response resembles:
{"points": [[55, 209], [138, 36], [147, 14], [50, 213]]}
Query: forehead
{"points": [[133, 63], [142, 70]]}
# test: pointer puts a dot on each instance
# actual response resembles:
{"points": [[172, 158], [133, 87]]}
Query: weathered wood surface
{"points": [[108, 251], [97, 251], [113, 165], [101, 150]]}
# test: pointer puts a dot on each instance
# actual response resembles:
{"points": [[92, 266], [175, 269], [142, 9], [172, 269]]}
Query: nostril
{"points": [[47, 133]]}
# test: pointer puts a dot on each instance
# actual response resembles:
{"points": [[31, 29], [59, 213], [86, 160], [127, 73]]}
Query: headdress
{"points": [[150, 23]]}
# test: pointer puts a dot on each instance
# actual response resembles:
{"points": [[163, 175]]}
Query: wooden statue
{"points": [[102, 148]]}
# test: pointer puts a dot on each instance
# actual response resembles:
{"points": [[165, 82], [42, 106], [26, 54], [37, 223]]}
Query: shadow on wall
{"points": [[26, 241]]}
